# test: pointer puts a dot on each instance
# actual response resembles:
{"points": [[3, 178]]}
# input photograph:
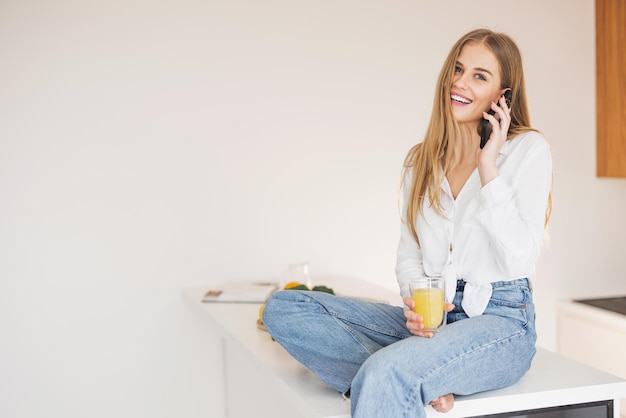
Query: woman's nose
{"points": [[460, 81]]}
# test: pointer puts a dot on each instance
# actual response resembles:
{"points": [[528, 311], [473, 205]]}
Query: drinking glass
{"points": [[428, 295]]}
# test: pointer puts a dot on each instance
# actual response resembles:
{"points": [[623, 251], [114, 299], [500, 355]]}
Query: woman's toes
{"points": [[443, 403]]}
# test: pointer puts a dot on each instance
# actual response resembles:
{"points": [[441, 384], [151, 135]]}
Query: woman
{"points": [[475, 216]]}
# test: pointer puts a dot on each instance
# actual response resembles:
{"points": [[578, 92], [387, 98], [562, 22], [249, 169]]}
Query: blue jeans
{"points": [[365, 347]]}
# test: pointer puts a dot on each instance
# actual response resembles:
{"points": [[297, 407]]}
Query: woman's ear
{"points": [[508, 96], [503, 92]]}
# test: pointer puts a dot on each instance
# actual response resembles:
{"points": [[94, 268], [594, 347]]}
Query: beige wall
{"points": [[150, 146]]}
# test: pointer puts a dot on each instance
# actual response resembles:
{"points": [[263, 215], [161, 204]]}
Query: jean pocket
{"points": [[510, 303]]}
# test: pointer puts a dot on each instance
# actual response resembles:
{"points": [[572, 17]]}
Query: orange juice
{"points": [[429, 304]]}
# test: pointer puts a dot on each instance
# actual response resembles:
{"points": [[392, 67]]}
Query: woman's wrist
{"points": [[487, 173]]}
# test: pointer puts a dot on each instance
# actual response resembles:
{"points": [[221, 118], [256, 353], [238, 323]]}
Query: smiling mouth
{"points": [[460, 99]]}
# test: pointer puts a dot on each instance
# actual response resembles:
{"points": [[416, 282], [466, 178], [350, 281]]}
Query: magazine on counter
{"points": [[245, 292]]}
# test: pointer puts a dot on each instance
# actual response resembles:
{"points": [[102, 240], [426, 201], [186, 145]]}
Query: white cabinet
{"points": [[594, 336]]}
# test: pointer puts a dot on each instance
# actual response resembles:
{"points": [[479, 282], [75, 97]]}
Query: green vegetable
{"points": [[299, 287], [315, 289], [323, 289]]}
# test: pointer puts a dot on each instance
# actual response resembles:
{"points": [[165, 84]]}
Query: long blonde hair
{"points": [[442, 138]]}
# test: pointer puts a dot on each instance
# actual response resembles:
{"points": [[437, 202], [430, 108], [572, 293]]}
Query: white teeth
{"points": [[460, 99]]}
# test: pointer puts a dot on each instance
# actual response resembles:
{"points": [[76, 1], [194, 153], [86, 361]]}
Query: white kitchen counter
{"points": [[262, 380]]}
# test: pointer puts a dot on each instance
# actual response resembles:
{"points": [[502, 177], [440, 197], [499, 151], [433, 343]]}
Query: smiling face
{"points": [[476, 83]]}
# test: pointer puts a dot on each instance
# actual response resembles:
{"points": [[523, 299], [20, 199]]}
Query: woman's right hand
{"points": [[414, 320]]}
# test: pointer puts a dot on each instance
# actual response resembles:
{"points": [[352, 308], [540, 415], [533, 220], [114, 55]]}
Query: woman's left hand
{"points": [[414, 320]]}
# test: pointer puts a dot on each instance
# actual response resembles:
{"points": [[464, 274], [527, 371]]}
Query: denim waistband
{"points": [[460, 284]]}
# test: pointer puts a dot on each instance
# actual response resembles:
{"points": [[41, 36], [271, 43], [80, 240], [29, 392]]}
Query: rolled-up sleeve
{"points": [[513, 207]]}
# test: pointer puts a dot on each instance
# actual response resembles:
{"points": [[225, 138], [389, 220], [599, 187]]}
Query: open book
{"points": [[250, 292]]}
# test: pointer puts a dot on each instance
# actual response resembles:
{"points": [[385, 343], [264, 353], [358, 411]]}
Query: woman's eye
{"points": [[458, 69], [480, 77]]}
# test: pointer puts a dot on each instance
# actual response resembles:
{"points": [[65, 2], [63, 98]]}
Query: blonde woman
{"points": [[475, 216]]}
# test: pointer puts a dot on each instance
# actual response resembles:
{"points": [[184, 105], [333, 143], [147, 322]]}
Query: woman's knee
{"points": [[287, 306], [277, 306]]}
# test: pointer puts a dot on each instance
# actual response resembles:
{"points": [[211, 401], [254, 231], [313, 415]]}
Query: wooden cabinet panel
{"points": [[611, 87]]}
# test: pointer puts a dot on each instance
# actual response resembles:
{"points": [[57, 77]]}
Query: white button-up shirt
{"points": [[490, 233]]}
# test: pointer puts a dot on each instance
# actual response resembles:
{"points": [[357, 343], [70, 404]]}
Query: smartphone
{"points": [[485, 132]]}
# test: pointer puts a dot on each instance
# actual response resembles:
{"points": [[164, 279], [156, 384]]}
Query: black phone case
{"points": [[485, 132]]}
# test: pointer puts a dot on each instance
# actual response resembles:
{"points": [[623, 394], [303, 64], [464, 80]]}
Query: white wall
{"points": [[146, 147]]}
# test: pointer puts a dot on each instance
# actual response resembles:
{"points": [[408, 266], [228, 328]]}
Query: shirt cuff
{"points": [[495, 193]]}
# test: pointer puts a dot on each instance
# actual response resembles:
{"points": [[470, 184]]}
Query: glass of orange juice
{"points": [[428, 295]]}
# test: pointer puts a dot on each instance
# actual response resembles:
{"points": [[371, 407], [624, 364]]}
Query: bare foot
{"points": [[443, 403]]}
